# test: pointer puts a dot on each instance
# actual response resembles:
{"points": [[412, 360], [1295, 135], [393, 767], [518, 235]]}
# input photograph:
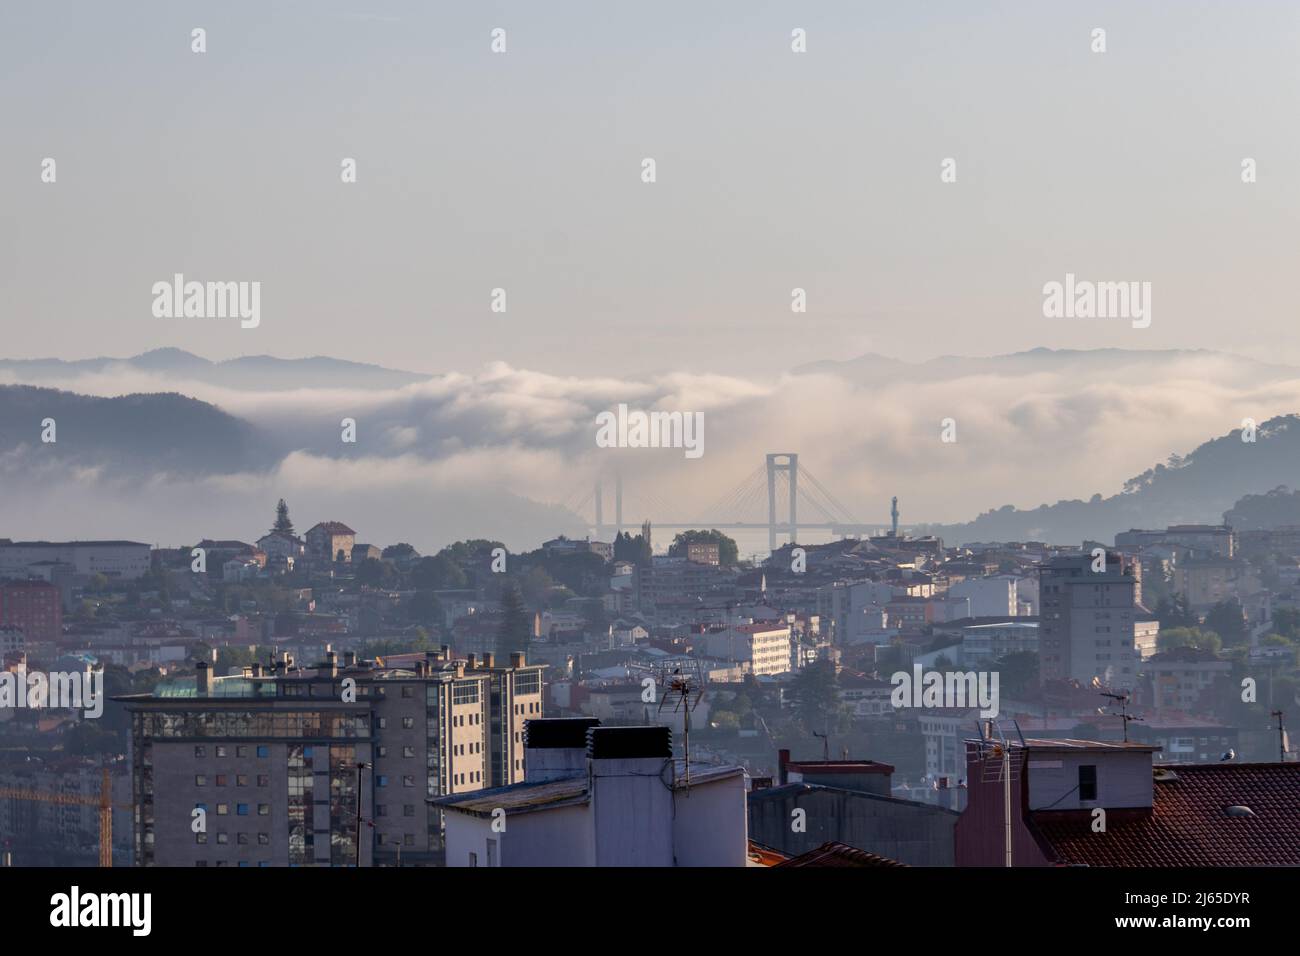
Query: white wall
{"points": [[712, 824]]}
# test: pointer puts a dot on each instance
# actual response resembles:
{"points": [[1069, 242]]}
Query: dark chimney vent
{"points": [[558, 733], [629, 743], [202, 679]]}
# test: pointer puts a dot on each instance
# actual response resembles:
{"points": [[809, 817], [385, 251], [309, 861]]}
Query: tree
{"points": [[282, 522], [1019, 671], [424, 608], [728, 552], [816, 696], [374, 573], [1228, 621], [475, 549], [1196, 637], [1175, 613], [400, 552], [437, 573], [516, 627], [628, 548]]}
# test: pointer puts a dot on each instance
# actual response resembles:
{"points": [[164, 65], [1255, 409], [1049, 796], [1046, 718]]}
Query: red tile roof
{"points": [[1189, 824], [839, 855]]}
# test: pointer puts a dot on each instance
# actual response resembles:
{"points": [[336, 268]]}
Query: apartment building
{"points": [[113, 559], [761, 649], [33, 607], [1086, 628], [1182, 677], [278, 758]]}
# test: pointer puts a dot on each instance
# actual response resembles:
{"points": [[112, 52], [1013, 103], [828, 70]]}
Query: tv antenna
{"points": [[1120, 701], [1000, 757], [682, 683]]}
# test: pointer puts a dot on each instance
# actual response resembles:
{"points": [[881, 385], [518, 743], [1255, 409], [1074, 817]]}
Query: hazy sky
{"points": [[775, 170]]}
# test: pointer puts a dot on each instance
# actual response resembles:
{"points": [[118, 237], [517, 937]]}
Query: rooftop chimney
{"points": [[350, 658], [446, 652], [555, 748], [202, 679], [488, 661], [332, 663], [632, 788], [470, 660], [782, 761], [517, 659]]}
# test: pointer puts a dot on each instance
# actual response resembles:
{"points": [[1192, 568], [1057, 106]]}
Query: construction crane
{"points": [[104, 801]]}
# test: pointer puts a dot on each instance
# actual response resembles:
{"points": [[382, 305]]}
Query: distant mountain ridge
{"points": [[264, 372], [1198, 488], [131, 434], [875, 368]]}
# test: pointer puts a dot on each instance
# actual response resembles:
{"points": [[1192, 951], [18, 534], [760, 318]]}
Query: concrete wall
{"points": [[558, 837], [711, 828], [1123, 780], [912, 833]]}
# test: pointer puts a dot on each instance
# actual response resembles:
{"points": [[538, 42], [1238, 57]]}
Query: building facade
{"points": [[277, 761]]}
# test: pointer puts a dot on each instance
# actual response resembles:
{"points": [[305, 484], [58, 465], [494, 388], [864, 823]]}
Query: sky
{"points": [[522, 171], [775, 171]]}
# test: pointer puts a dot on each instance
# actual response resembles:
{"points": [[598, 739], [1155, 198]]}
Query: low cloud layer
{"points": [[495, 452]]}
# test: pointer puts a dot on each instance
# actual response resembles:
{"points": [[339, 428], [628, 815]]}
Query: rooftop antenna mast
{"points": [[684, 686], [1283, 744], [1000, 758], [1121, 700], [826, 744]]}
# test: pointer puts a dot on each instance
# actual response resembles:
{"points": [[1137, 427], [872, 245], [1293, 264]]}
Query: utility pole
{"points": [[1281, 735]]}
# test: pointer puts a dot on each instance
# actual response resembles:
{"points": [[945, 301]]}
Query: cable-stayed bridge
{"points": [[778, 495]]}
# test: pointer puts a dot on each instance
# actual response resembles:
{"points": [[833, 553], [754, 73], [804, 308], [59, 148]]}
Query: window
{"points": [[381, 810], [263, 780], [263, 839], [1088, 782], [242, 840], [241, 809], [408, 751], [200, 838], [223, 837], [381, 751], [408, 781], [408, 691], [200, 780], [241, 780], [491, 852], [408, 722], [408, 810], [381, 780], [263, 809], [473, 859], [263, 750], [200, 751], [241, 751], [223, 809], [221, 780], [221, 751], [383, 723]]}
